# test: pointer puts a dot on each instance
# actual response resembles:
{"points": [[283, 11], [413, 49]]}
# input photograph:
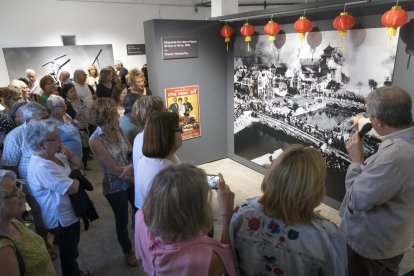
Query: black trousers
{"points": [[67, 239], [119, 205], [360, 266]]}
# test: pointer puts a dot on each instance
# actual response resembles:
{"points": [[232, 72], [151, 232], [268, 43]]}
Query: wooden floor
{"points": [[101, 253]]}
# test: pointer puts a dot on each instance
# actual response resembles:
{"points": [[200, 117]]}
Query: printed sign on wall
{"points": [[185, 102], [135, 49], [179, 47]]}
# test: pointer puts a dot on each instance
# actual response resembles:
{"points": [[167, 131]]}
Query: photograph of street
{"points": [[286, 93]]}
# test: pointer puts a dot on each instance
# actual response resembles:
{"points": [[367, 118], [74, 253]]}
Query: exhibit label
{"points": [[185, 102], [178, 47], [135, 49]]}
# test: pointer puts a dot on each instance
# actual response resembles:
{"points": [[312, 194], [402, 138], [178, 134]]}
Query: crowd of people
{"points": [[49, 132]]}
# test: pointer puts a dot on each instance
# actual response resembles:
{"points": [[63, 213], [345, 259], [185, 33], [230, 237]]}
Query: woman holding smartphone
{"points": [[171, 228]]}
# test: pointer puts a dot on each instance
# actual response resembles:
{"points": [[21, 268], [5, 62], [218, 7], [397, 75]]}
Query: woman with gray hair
{"points": [[67, 127], [21, 250], [49, 183], [171, 228]]}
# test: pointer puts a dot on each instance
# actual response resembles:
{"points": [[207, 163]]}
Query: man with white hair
{"points": [[122, 71], [378, 220], [82, 88], [34, 84], [64, 78], [26, 95]]}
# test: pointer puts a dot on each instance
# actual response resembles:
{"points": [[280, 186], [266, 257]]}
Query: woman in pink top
{"points": [[171, 228]]}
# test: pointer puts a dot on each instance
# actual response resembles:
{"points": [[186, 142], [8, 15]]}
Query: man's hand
{"points": [[355, 149]]}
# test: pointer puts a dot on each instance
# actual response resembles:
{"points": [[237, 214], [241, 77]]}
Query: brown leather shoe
{"points": [[130, 259]]}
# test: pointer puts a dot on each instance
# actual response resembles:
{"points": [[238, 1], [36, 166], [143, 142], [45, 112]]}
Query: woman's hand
{"points": [[225, 200], [75, 122], [225, 197], [127, 173], [66, 151]]}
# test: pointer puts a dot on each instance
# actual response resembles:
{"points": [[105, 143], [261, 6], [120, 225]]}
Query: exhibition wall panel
{"points": [[269, 131], [207, 69]]}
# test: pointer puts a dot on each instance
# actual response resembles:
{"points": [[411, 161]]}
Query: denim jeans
{"points": [[67, 239], [119, 205]]}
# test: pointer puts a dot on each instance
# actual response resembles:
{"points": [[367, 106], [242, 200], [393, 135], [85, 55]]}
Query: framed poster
{"points": [[184, 101]]}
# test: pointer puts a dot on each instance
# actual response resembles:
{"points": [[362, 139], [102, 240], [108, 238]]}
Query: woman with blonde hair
{"points": [[93, 76], [280, 232], [136, 82]]}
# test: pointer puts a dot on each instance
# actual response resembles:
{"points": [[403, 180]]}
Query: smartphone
{"points": [[213, 181]]}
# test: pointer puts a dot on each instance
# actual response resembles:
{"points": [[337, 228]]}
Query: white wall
{"points": [[31, 23]]}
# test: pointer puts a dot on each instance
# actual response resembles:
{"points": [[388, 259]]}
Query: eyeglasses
{"points": [[179, 129], [61, 106], [16, 191]]}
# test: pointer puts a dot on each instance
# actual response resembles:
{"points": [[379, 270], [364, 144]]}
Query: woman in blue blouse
{"points": [[279, 233], [68, 131]]}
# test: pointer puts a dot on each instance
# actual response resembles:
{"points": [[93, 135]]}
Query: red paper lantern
{"points": [[226, 32], [394, 18], [302, 26], [247, 30], [343, 23], [271, 29]]}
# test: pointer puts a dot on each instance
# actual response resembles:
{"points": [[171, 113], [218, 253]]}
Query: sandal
{"points": [[52, 253], [130, 259]]}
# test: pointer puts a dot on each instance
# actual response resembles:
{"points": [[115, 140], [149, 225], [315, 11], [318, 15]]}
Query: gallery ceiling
{"points": [[199, 2]]}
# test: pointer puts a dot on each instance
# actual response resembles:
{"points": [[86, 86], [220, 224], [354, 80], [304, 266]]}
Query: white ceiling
{"points": [[190, 2]]}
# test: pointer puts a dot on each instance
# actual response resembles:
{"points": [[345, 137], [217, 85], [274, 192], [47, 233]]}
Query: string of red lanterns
{"points": [[392, 19]]}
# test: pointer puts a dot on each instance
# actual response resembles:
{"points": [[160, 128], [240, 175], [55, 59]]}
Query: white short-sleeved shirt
{"points": [[148, 168], [49, 183]]}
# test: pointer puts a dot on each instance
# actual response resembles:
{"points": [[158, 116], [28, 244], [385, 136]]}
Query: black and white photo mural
{"points": [[285, 93], [53, 59]]}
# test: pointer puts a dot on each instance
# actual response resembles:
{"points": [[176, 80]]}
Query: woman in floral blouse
{"points": [[279, 233]]}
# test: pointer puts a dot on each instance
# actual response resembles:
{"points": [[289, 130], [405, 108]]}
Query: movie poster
{"points": [[184, 101]]}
